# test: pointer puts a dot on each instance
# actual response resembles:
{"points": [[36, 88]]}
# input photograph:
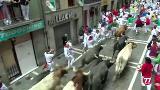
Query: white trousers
{"points": [[25, 11], [70, 60], [49, 66], [148, 86]]}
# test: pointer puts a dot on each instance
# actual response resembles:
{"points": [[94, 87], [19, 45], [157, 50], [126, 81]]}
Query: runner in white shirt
{"points": [[85, 37], [49, 59], [68, 55], [154, 31], [97, 36], [90, 42]]}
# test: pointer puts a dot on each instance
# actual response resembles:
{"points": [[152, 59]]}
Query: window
{"points": [[70, 3]]}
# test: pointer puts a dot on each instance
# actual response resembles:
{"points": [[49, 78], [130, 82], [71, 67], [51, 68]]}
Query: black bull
{"points": [[91, 54], [98, 75]]}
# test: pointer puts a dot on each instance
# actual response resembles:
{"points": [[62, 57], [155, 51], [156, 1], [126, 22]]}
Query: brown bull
{"points": [[77, 82], [120, 30], [51, 81]]}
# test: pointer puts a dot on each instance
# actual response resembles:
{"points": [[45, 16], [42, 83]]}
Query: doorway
{"points": [[25, 56], [59, 32]]}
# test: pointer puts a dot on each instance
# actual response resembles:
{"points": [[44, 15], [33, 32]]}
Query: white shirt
{"points": [[48, 57], [156, 68], [120, 21], [154, 32], [67, 51], [97, 35], [143, 19], [90, 43]]}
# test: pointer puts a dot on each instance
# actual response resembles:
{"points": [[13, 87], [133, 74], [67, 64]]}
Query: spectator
{"points": [[65, 39], [6, 14], [15, 10], [49, 59], [146, 70], [25, 8]]}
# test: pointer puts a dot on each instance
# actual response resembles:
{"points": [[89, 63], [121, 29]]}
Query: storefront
{"points": [[19, 48], [91, 14], [62, 22]]}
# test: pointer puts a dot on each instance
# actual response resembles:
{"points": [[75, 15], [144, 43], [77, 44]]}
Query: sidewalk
{"points": [[35, 76]]}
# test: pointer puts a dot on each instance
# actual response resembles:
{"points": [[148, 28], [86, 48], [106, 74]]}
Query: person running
{"points": [[49, 59], [146, 73], [139, 24], [68, 55], [157, 77], [147, 24], [152, 48]]}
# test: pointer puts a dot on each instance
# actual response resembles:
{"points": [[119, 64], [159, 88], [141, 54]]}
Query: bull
{"points": [[90, 55], [120, 30], [120, 44], [51, 81], [122, 58], [98, 75], [78, 81]]}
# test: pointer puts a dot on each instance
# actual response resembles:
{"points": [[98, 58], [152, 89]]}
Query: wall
{"points": [[77, 11], [35, 9], [39, 45], [63, 4]]}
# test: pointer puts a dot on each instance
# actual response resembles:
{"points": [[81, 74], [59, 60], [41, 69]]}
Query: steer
{"points": [[78, 81], [51, 81], [98, 75], [123, 57]]}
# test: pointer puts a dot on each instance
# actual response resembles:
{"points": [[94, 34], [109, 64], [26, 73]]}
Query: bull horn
{"points": [[74, 69], [102, 45], [66, 68], [86, 73]]}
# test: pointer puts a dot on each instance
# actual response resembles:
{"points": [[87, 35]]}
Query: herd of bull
{"points": [[95, 78]]}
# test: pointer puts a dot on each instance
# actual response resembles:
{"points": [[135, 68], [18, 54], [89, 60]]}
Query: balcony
{"points": [[11, 16], [91, 1]]}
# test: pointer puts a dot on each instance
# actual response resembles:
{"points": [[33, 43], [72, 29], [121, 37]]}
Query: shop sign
{"points": [[60, 18], [5, 35]]}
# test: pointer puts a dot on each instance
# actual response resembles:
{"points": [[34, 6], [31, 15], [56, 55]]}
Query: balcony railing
{"points": [[90, 1]]}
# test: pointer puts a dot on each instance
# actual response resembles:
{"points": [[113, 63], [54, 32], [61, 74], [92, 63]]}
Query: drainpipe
{"points": [[45, 31]]}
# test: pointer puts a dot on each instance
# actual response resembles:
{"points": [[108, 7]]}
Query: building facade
{"points": [[67, 19], [91, 12], [22, 44]]}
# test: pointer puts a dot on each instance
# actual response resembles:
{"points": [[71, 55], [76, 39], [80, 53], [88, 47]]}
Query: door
{"points": [[25, 56], [59, 33]]}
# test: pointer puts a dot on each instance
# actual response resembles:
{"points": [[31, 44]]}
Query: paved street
{"points": [[126, 80], [129, 78]]}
